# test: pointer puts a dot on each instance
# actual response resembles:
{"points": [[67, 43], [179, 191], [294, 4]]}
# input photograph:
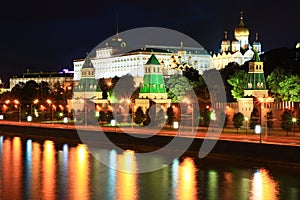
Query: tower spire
{"points": [[256, 36], [242, 19], [117, 25], [225, 35]]}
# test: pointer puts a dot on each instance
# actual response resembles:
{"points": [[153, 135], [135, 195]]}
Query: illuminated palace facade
{"points": [[109, 61], [239, 49]]}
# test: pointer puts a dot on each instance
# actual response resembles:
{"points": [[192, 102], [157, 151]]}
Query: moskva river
{"points": [[46, 169]]}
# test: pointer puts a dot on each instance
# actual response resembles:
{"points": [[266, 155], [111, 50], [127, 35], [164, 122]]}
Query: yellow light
{"points": [[7, 101], [49, 101], [16, 101], [35, 101]]}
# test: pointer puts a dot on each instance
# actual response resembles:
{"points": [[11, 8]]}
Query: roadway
{"points": [[278, 137]]}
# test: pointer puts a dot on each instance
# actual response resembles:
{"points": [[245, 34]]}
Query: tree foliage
{"points": [[290, 88], [286, 120], [238, 119], [238, 81], [274, 80], [178, 86], [139, 116]]}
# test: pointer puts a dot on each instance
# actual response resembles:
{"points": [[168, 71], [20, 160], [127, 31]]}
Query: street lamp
{"points": [[294, 120], [34, 102], [246, 119], [264, 100], [50, 104], [186, 100], [17, 102]]}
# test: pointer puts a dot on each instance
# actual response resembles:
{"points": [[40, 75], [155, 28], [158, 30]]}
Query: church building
{"points": [[239, 49]]}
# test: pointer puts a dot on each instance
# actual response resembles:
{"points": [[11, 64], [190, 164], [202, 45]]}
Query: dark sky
{"points": [[49, 35]]}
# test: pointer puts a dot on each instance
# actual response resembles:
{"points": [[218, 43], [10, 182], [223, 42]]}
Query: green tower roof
{"points": [[256, 57], [87, 63], [153, 60]]}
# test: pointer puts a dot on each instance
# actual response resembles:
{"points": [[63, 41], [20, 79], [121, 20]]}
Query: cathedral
{"points": [[239, 49]]}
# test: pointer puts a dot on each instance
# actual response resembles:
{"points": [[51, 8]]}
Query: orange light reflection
{"points": [[79, 173], [49, 170], [264, 186], [127, 178], [187, 185]]}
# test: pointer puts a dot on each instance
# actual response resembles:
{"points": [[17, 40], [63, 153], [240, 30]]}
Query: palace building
{"points": [[111, 60], [239, 49]]}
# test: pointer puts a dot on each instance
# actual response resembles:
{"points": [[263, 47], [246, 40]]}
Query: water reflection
{"points": [[79, 173], [49, 171], [127, 178], [187, 185], [263, 186], [31, 169]]}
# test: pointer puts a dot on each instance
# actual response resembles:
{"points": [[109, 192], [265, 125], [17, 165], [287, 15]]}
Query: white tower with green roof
{"points": [[256, 83], [153, 87], [88, 87]]}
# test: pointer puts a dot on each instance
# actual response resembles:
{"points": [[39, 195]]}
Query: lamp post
{"points": [[294, 120], [246, 119], [186, 100], [17, 102], [264, 100], [34, 102], [50, 104]]}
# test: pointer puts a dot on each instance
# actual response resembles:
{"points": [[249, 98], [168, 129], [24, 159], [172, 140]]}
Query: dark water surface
{"points": [[45, 169]]}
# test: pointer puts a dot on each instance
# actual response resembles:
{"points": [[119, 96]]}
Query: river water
{"points": [[46, 169]]}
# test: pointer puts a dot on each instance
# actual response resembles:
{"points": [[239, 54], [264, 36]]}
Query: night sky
{"points": [[49, 35]]}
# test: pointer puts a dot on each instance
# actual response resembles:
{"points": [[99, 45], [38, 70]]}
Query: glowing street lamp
{"points": [[50, 102], [187, 101], [246, 119], [34, 103], [264, 100], [294, 120], [17, 102]]}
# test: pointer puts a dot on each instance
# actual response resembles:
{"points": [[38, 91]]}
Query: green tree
{"points": [[274, 80], [139, 116], [224, 116], [201, 90], [238, 119], [170, 116], [160, 117], [238, 81], [178, 87], [290, 88], [286, 120]]}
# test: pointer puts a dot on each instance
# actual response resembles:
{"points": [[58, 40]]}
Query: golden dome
{"points": [[298, 45], [241, 30]]}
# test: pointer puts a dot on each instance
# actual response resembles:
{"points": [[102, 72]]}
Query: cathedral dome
{"points": [[241, 29], [298, 45], [225, 41], [116, 42], [256, 41]]}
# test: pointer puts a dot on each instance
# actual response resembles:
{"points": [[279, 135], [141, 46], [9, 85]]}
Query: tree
{"points": [[160, 118], [226, 72], [274, 79], [238, 119], [178, 87], [286, 120], [139, 116], [224, 116], [170, 116], [238, 81], [290, 89]]}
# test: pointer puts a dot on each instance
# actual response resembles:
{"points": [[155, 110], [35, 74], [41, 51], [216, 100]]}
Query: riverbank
{"points": [[238, 150]]}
